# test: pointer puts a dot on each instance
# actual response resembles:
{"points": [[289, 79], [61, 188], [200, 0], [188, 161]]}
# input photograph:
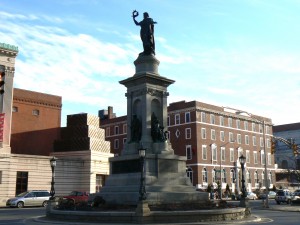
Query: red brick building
{"points": [[36, 119], [212, 139]]}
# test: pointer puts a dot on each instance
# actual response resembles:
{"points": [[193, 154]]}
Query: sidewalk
{"points": [[284, 207]]}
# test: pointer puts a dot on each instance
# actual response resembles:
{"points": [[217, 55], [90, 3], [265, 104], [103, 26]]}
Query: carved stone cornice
{"points": [[149, 91]]}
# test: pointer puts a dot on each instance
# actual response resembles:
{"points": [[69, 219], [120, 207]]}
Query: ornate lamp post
{"points": [[142, 154], [53, 165], [242, 160]]}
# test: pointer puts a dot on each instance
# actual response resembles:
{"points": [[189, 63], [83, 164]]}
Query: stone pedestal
{"points": [[142, 209], [166, 181]]}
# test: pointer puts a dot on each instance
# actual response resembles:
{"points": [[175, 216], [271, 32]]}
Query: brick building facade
{"points": [[36, 119], [205, 134]]}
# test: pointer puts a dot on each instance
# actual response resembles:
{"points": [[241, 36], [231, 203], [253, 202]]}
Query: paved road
{"points": [[34, 216]]}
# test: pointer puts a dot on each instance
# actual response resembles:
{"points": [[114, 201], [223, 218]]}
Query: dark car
{"points": [[283, 196]]}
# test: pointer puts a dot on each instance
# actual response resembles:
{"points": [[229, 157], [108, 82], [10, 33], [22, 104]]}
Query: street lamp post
{"points": [[142, 192], [243, 203], [53, 165]]}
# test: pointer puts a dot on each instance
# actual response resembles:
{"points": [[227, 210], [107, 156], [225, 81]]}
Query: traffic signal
{"points": [[2, 82], [273, 147], [295, 149]]}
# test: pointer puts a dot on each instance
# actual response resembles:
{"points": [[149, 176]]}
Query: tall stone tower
{"points": [[8, 54], [165, 173]]}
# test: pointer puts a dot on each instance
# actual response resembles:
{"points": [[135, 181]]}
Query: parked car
{"points": [[78, 196], [283, 196], [29, 198], [250, 195], [296, 197], [271, 195]]}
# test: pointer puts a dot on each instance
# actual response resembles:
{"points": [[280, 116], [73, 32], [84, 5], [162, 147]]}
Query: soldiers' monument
{"points": [[164, 172]]}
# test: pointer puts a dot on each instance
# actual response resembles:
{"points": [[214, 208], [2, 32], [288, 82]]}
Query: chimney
{"points": [[110, 112]]}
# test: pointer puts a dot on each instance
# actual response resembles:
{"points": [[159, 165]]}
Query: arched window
{"points": [[189, 173], [204, 175]]}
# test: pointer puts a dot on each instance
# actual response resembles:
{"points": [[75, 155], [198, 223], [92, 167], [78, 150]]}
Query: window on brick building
{"points": [[204, 152], [187, 117], [253, 127], [213, 134], [261, 141], [35, 112], [255, 157], [231, 139], [188, 133], [246, 127], [223, 153], [116, 143], [177, 119], [232, 176], [231, 155], [246, 139], [269, 158], [168, 121], [262, 157], [203, 117], [188, 150], [204, 175], [222, 121], [124, 140], [229, 122], [267, 129], [116, 130], [214, 152], [239, 139], [268, 143], [222, 136], [248, 177], [238, 124], [212, 119], [247, 156], [256, 177], [260, 127], [254, 140], [203, 133]]}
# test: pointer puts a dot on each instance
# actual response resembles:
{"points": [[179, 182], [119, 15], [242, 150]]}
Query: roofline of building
{"points": [[286, 127]]}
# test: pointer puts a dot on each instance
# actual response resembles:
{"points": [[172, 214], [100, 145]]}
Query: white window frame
{"points": [[254, 140], [204, 152], [222, 136], [116, 130], [246, 125], [247, 139], [231, 139], [239, 138], [203, 117], [222, 122], [212, 119], [247, 156], [230, 122], [231, 151], [188, 133], [116, 144], [177, 119], [238, 124], [213, 134], [255, 158], [187, 117], [188, 151], [223, 153], [124, 128], [203, 133]]}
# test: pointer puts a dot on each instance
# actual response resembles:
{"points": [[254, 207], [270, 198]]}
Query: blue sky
{"points": [[239, 53]]}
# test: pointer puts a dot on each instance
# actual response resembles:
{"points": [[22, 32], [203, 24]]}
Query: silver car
{"points": [[29, 198]]}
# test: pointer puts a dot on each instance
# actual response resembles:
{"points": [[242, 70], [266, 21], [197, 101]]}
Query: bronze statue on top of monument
{"points": [[146, 33]]}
